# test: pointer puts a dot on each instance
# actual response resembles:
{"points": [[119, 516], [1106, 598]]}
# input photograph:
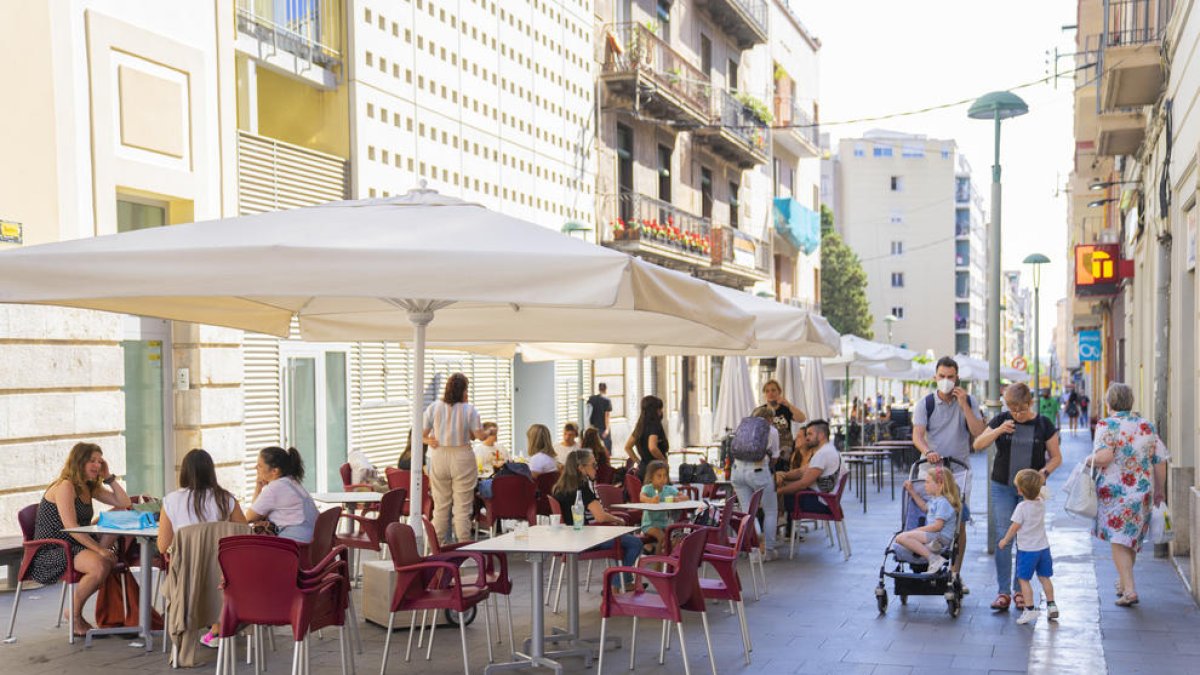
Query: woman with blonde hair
{"points": [[542, 457], [67, 503]]}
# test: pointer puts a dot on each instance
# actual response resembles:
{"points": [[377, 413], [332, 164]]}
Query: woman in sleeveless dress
{"points": [[68, 503]]}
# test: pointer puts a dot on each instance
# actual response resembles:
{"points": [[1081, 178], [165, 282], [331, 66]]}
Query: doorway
{"points": [[146, 426], [315, 414]]}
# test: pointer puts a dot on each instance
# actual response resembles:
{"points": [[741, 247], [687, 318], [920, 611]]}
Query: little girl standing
{"points": [[941, 519], [1033, 548]]}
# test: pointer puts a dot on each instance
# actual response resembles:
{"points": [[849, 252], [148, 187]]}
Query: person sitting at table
{"points": [[68, 503], [820, 475], [490, 454], [594, 442], [541, 450], [570, 442], [648, 437], [279, 496], [578, 481], [657, 488]]}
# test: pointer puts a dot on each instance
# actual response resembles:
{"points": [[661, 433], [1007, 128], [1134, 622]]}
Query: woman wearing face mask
{"points": [[1024, 440]]}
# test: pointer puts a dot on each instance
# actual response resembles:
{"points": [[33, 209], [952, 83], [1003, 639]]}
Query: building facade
{"points": [[1016, 332], [908, 206]]}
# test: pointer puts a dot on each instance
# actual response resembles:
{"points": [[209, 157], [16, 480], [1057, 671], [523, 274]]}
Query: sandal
{"points": [[1019, 600], [1127, 600], [1120, 588], [1001, 602]]}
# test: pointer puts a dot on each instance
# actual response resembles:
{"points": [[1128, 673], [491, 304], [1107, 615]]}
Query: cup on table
{"points": [[521, 531], [543, 520], [555, 519], [669, 498]]}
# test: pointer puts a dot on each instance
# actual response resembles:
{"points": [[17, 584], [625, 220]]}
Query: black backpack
{"points": [[931, 403]]}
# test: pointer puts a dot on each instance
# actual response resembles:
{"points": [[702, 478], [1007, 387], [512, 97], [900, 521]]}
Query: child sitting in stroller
{"points": [[941, 519]]}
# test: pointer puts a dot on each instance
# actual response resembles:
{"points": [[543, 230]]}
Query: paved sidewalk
{"points": [[819, 616]]}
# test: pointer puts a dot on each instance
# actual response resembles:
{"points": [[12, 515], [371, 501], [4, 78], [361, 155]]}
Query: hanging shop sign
{"points": [[1099, 269]]}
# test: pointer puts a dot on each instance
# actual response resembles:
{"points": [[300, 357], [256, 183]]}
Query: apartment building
{"points": [[1134, 238], [1016, 331], [120, 124], [908, 206], [691, 173]]}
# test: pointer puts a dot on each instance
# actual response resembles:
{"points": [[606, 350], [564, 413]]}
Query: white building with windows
{"points": [[907, 205]]}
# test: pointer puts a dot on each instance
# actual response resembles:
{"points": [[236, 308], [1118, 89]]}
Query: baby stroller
{"points": [[911, 574]]}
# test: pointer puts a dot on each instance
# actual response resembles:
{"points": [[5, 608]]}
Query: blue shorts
{"points": [[1029, 562]]}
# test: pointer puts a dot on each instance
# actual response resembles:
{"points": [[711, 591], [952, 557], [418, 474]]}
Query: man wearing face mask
{"points": [[944, 424]]}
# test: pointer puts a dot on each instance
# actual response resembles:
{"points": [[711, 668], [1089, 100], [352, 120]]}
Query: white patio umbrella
{"points": [[735, 398], [401, 268], [790, 374], [813, 374]]}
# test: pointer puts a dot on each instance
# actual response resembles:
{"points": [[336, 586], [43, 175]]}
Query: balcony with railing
{"points": [[795, 128], [743, 20], [962, 223], [1133, 71], [1120, 132], [738, 259], [642, 68], [310, 30], [648, 227], [736, 132]]}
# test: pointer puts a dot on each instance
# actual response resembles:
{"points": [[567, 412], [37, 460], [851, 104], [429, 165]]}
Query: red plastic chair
{"points": [[369, 536], [605, 473], [677, 588], [633, 487], [347, 475], [27, 518], [400, 478], [545, 488], [431, 582], [265, 586], [832, 500], [513, 497], [716, 533], [610, 496]]}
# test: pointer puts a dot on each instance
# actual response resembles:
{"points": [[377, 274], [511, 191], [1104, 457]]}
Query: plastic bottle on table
{"points": [[577, 511]]}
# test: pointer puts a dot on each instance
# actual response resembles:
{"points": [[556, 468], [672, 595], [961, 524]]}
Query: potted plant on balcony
{"points": [[620, 230], [755, 108]]}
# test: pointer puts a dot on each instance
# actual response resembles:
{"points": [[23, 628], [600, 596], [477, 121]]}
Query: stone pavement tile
{"points": [[817, 667], [892, 670], [889, 658], [998, 661]]}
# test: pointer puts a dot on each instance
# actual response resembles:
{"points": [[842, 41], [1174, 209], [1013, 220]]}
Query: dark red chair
{"points": [[833, 501], [605, 473], [545, 489], [400, 478], [347, 475], [610, 496], [716, 533], [431, 583], [677, 588], [370, 534], [27, 518], [513, 497], [633, 487]]}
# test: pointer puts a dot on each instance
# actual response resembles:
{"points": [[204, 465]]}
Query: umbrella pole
{"points": [[641, 374], [419, 321]]}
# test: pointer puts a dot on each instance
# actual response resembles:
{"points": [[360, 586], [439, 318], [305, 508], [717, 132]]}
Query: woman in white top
{"points": [[542, 458], [280, 497], [199, 499], [450, 425]]}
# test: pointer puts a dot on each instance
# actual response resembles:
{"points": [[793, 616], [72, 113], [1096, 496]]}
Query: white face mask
{"points": [[945, 386]]}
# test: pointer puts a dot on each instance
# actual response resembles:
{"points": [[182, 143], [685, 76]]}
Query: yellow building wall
{"points": [[297, 112]]}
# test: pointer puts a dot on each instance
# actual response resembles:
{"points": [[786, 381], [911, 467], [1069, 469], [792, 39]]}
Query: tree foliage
{"points": [[843, 284]]}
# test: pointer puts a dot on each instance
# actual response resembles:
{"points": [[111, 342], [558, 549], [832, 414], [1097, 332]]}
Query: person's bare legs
{"points": [[1026, 593], [1123, 558], [1047, 588], [914, 540], [94, 569]]}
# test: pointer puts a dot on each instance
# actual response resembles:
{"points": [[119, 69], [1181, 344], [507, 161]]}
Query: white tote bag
{"points": [[1160, 530], [1081, 490]]}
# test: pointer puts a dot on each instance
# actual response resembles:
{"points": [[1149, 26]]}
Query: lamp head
{"points": [[1002, 104], [1036, 259]]}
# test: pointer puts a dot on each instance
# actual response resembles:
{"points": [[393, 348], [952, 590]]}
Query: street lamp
{"points": [[890, 320], [996, 106], [1037, 260], [1101, 202]]}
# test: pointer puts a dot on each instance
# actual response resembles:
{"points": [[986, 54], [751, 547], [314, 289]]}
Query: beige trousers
{"points": [[452, 479]]}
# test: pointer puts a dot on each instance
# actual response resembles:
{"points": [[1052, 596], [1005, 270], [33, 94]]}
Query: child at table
{"points": [[657, 489], [941, 519]]}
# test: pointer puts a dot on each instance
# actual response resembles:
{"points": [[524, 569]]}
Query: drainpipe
{"points": [[1162, 348]]}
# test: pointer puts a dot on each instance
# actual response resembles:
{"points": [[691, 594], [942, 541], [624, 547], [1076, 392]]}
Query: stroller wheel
{"points": [[881, 598], [903, 599], [953, 607]]}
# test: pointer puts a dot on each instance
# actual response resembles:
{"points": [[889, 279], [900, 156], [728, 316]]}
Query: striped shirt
{"points": [[451, 425]]}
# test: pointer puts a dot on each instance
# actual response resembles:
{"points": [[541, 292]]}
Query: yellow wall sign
{"points": [[10, 232]]}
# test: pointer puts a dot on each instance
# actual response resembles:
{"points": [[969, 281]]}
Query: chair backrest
{"points": [[260, 581], [513, 497], [545, 486], [431, 538], [746, 526], [605, 473], [609, 495], [555, 507], [686, 583], [395, 477], [633, 488], [391, 505], [689, 491], [347, 475], [324, 534], [841, 487], [27, 518], [402, 544], [401, 478]]}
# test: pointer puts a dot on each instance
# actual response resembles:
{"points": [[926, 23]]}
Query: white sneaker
{"points": [[1028, 616], [936, 562]]}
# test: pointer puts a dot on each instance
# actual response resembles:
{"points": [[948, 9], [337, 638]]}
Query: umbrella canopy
{"points": [[814, 389], [858, 355], [379, 269], [971, 368], [791, 380], [735, 398]]}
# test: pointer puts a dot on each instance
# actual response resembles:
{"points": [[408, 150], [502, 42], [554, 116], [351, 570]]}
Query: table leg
{"points": [[862, 467], [146, 590], [536, 658]]}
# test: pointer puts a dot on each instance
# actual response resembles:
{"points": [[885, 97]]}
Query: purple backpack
{"points": [[750, 439]]}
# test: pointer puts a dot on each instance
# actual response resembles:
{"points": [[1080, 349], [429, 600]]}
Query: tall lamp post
{"points": [[995, 106], [1037, 260]]}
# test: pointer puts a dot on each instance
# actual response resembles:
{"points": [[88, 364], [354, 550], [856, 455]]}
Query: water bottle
{"points": [[577, 510]]}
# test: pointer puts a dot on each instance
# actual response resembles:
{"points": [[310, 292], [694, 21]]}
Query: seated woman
{"points": [[577, 481], [199, 499], [68, 503], [593, 442], [541, 450], [280, 497]]}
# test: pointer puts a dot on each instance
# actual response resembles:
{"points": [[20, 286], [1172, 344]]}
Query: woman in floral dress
{"points": [[1133, 468]]}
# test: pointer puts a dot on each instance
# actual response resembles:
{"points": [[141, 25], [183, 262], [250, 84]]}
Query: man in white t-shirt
{"points": [[570, 442], [822, 473], [489, 453]]}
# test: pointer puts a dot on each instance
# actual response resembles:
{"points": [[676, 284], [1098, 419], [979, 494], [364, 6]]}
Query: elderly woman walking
{"points": [[1133, 469]]}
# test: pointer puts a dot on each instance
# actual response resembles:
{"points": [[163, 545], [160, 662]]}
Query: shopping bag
{"points": [[1081, 492], [126, 520], [1160, 531]]}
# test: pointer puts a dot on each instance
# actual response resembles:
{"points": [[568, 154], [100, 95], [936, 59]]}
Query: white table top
{"points": [[96, 529], [687, 505], [551, 539], [348, 497]]}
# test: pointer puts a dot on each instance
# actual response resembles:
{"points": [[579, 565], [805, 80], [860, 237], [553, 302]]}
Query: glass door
{"points": [[315, 412], [144, 440]]}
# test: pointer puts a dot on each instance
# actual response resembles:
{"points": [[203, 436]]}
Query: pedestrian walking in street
{"points": [[755, 448], [1028, 528], [648, 441], [944, 425], [450, 425], [1073, 410], [599, 414], [1024, 440], [1133, 473]]}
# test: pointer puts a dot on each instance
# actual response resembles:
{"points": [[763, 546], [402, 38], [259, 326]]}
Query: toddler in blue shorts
{"points": [[1033, 548]]}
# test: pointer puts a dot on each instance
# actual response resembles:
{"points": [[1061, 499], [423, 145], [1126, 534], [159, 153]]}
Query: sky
{"points": [[883, 57]]}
